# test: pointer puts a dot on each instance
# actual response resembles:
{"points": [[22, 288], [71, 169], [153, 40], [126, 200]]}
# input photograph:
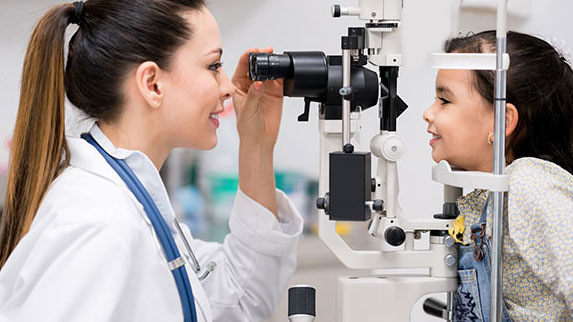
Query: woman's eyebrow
{"points": [[215, 51]]}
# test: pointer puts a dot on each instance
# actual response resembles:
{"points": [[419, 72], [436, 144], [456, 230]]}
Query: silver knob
{"points": [[450, 260], [449, 241]]}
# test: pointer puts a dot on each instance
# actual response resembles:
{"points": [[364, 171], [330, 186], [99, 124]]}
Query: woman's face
{"points": [[460, 121], [197, 86]]}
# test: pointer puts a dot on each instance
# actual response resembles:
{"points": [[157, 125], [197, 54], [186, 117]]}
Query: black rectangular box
{"points": [[350, 186]]}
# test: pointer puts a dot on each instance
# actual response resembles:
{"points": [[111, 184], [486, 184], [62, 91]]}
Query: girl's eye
{"points": [[444, 101], [215, 67]]}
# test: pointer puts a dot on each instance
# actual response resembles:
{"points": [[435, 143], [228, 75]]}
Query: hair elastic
{"points": [[78, 13]]}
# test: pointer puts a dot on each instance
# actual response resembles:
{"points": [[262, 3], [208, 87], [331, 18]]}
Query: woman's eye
{"points": [[215, 67], [443, 100]]}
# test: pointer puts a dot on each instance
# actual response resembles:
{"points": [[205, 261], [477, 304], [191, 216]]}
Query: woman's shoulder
{"points": [[82, 197]]}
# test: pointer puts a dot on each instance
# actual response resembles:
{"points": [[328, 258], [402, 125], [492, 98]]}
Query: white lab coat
{"points": [[92, 255]]}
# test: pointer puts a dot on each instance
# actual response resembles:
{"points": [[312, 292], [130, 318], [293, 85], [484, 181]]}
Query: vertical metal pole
{"points": [[345, 103], [496, 312], [450, 305]]}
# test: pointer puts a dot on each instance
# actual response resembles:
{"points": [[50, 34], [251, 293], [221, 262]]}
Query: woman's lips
{"points": [[215, 119]]}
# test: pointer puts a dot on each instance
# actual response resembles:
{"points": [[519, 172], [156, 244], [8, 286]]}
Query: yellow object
{"points": [[343, 229], [457, 231]]}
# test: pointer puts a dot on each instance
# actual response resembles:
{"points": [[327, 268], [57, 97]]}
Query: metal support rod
{"points": [[496, 312], [345, 102], [450, 305]]}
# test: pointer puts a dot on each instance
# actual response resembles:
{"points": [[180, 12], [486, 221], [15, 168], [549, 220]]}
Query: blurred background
{"points": [[202, 185]]}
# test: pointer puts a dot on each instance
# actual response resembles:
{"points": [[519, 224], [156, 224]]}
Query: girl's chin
{"points": [[437, 158]]}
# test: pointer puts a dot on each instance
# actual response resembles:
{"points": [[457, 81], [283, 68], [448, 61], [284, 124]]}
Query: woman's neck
{"points": [[137, 136]]}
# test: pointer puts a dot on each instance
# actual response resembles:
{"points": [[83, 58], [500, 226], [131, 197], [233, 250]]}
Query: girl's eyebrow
{"points": [[444, 91]]}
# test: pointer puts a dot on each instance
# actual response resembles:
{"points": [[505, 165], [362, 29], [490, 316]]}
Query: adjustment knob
{"points": [[336, 12], [378, 205], [301, 303], [395, 236], [323, 203]]}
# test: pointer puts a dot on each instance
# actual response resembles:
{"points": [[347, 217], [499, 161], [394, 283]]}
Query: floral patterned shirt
{"points": [[538, 239]]}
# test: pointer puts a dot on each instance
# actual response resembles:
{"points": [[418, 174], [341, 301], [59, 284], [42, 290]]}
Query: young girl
{"points": [[88, 233], [538, 229]]}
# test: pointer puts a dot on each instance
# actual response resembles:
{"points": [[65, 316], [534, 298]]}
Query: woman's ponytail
{"points": [[39, 152], [114, 36]]}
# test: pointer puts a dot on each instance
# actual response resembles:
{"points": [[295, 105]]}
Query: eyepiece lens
{"points": [[263, 66], [258, 66]]}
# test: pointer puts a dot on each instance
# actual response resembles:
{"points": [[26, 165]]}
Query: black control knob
{"points": [[301, 301], [395, 236], [336, 12], [435, 307], [378, 205], [323, 203]]}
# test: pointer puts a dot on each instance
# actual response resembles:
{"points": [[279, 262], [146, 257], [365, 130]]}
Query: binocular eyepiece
{"points": [[264, 67], [316, 77]]}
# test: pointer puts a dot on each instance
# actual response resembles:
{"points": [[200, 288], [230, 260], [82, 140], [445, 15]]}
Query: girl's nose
{"points": [[428, 115]]}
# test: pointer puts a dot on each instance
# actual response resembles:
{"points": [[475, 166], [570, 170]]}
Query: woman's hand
{"points": [[259, 108], [258, 105]]}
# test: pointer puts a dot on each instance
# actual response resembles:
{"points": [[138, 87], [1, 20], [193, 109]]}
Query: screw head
{"points": [[449, 241], [450, 260], [373, 14]]}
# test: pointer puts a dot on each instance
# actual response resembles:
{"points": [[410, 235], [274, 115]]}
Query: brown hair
{"points": [[539, 84], [38, 142], [114, 36]]}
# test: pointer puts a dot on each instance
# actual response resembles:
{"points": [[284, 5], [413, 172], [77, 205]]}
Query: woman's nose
{"points": [[227, 87]]}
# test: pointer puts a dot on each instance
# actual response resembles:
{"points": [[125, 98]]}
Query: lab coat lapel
{"points": [[85, 157]]}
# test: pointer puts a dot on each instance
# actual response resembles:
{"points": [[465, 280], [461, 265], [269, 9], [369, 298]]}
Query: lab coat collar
{"points": [[86, 157], [139, 163]]}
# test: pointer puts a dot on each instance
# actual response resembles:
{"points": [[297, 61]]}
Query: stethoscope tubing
{"points": [[159, 225]]}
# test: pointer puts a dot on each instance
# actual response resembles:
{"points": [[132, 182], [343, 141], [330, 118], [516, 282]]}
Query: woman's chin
{"points": [[210, 145], [202, 145]]}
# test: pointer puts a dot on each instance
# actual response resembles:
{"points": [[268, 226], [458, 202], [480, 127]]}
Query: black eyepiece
{"points": [[312, 75], [264, 66]]}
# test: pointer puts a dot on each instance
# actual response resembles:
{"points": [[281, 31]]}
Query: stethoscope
{"points": [[194, 262], [175, 261]]}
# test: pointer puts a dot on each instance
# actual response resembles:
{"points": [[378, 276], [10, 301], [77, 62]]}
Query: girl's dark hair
{"points": [[114, 36], [539, 84]]}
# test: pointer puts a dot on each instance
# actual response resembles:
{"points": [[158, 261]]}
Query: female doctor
{"points": [[88, 232]]}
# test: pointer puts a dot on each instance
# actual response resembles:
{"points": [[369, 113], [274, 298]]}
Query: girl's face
{"points": [[460, 121], [197, 86]]}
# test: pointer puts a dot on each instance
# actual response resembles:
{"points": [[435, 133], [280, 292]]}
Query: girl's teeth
{"points": [[214, 116]]}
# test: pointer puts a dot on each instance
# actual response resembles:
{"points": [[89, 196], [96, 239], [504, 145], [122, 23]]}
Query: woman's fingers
{"points": [[242, 71], [253, 97]]}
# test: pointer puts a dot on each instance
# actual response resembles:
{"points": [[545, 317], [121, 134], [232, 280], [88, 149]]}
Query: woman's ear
{"points": [[511, 119], [149, 85]]}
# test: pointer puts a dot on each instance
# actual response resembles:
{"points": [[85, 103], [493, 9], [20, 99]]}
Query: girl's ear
{"points": [[511, 119]]}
